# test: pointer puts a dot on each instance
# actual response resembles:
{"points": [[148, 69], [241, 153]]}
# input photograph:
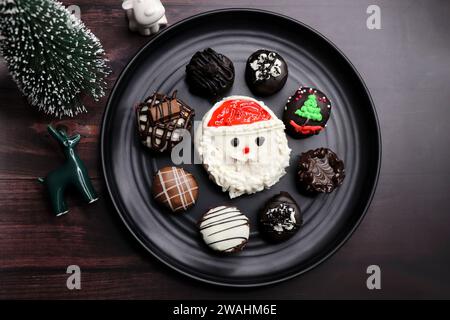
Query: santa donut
{"points": [[242, 145]]}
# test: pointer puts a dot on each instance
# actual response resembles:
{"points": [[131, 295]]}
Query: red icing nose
{"points": [[246, 150]]}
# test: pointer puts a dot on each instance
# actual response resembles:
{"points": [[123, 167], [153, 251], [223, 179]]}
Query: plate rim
{"points": [[108, 108]]}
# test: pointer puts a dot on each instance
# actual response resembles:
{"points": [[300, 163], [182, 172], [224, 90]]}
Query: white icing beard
{"points": [[236, 171]]}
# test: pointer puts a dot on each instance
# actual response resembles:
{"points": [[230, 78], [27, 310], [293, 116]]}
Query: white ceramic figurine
{"points": [[145, 16]]}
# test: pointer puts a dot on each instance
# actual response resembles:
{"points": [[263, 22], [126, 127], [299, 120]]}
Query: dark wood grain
{"points": [[406, 231]]}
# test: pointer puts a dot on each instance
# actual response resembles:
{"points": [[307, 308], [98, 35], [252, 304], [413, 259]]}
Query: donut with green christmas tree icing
{"points": [[306, 112]]}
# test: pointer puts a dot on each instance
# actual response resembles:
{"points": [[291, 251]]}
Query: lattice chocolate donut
{"points": [[160, 119]]}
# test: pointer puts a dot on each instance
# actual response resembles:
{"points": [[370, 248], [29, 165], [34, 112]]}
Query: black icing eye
{"points": [[235, 142], [259, 141]]}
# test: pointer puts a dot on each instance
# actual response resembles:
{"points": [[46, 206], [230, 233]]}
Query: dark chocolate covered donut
{"points": [[209, 74], [266, 72], [281, 218], [320, 171], [306, 112]]}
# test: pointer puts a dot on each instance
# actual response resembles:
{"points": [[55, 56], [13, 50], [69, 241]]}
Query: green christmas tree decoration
{"points": [[310, 109], [51, 55]]}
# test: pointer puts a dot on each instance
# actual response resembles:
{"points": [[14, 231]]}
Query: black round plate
{"points": [[352, 132]]}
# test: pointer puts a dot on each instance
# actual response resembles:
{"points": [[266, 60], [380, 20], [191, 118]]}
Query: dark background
{"points": [[406, 231]]}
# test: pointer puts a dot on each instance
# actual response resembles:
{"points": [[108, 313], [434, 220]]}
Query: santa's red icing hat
{"points": [[240, 112]]}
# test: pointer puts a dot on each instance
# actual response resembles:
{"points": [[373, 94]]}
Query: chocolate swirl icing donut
{"points": [[209, 73], [320, 170]]}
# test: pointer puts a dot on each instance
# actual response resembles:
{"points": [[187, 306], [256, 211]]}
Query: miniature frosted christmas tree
{"points": [[51, 55], [310, 110]]}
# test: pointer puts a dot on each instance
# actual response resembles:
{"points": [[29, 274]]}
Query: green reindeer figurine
{"points": [[72, 173]]}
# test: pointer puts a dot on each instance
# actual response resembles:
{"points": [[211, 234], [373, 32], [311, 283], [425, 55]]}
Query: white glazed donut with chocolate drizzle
{"points": [[225, 229]]}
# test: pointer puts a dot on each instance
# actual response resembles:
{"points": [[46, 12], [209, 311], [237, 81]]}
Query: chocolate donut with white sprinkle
{"points": [[281, 218], [266, 72]]}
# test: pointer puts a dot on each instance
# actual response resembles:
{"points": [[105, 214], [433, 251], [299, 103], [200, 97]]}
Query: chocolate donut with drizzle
{"points": [[175, 188], [209, 74], [320, 170], [160, 119], [225, 229]]}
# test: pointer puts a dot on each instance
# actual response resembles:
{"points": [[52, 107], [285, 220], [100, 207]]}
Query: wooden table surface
{"points": [[406, 231]]}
